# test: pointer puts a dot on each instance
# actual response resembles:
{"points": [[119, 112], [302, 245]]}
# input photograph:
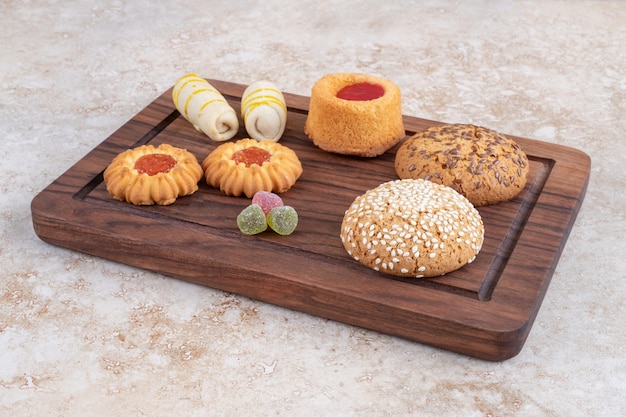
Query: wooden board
{"points": [[484, 310]]}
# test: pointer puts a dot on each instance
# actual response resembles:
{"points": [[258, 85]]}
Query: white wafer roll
{"points": [[263, 111], [205, 108]]}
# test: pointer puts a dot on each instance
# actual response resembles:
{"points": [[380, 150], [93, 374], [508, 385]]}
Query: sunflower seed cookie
{"points": [[483, 165], [412, 228]]}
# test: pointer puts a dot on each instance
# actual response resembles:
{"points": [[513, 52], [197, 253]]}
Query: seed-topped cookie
{"points": [[412, 228], [483, 165]]}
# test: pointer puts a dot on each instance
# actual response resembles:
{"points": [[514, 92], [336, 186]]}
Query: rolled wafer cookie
{"points": [[205, 108], [263, 111]]}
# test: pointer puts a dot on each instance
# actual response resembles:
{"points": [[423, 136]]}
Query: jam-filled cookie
{"points": [[152, 175], [248, 166]]}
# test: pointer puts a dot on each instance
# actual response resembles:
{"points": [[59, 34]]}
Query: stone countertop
{"points": [[84, 336]]}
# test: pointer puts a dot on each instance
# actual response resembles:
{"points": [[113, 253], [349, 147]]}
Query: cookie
{"points": [[481, 164], [248, 166], [205, 108], [264, 111], [149, 175], [412, 228]]}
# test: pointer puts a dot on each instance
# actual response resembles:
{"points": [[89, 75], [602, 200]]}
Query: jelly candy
{"points": [[267, 209], [252, 220], [283, 220], [267, 200]]}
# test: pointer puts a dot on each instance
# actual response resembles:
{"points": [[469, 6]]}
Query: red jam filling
{"points": [[154, 163], [361, 92], [251, 155]]}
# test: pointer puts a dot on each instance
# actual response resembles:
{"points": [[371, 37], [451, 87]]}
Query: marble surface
{"points": [[84, 336]]}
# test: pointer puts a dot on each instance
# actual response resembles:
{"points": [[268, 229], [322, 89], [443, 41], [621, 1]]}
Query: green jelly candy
{"points": [[283, 220], [252, 220]]}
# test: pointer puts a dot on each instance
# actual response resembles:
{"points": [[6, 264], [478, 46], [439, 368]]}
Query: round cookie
{"points": [[412, 228], [248, 166], [483, 165], [355, 114], [149, 175]]}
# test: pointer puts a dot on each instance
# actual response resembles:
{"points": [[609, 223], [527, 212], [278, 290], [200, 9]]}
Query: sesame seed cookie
{"points": [[483, 165], [412, 228]]}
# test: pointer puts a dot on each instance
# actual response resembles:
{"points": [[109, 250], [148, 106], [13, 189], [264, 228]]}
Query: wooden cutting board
{"points": [[484, 310]]}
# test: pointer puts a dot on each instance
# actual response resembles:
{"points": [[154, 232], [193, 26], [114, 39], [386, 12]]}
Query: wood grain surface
{"points": [[484, 310]]}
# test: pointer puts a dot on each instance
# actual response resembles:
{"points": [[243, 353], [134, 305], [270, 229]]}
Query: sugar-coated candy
{"points": [[283, 220], [267, 200], [252, 220]]}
